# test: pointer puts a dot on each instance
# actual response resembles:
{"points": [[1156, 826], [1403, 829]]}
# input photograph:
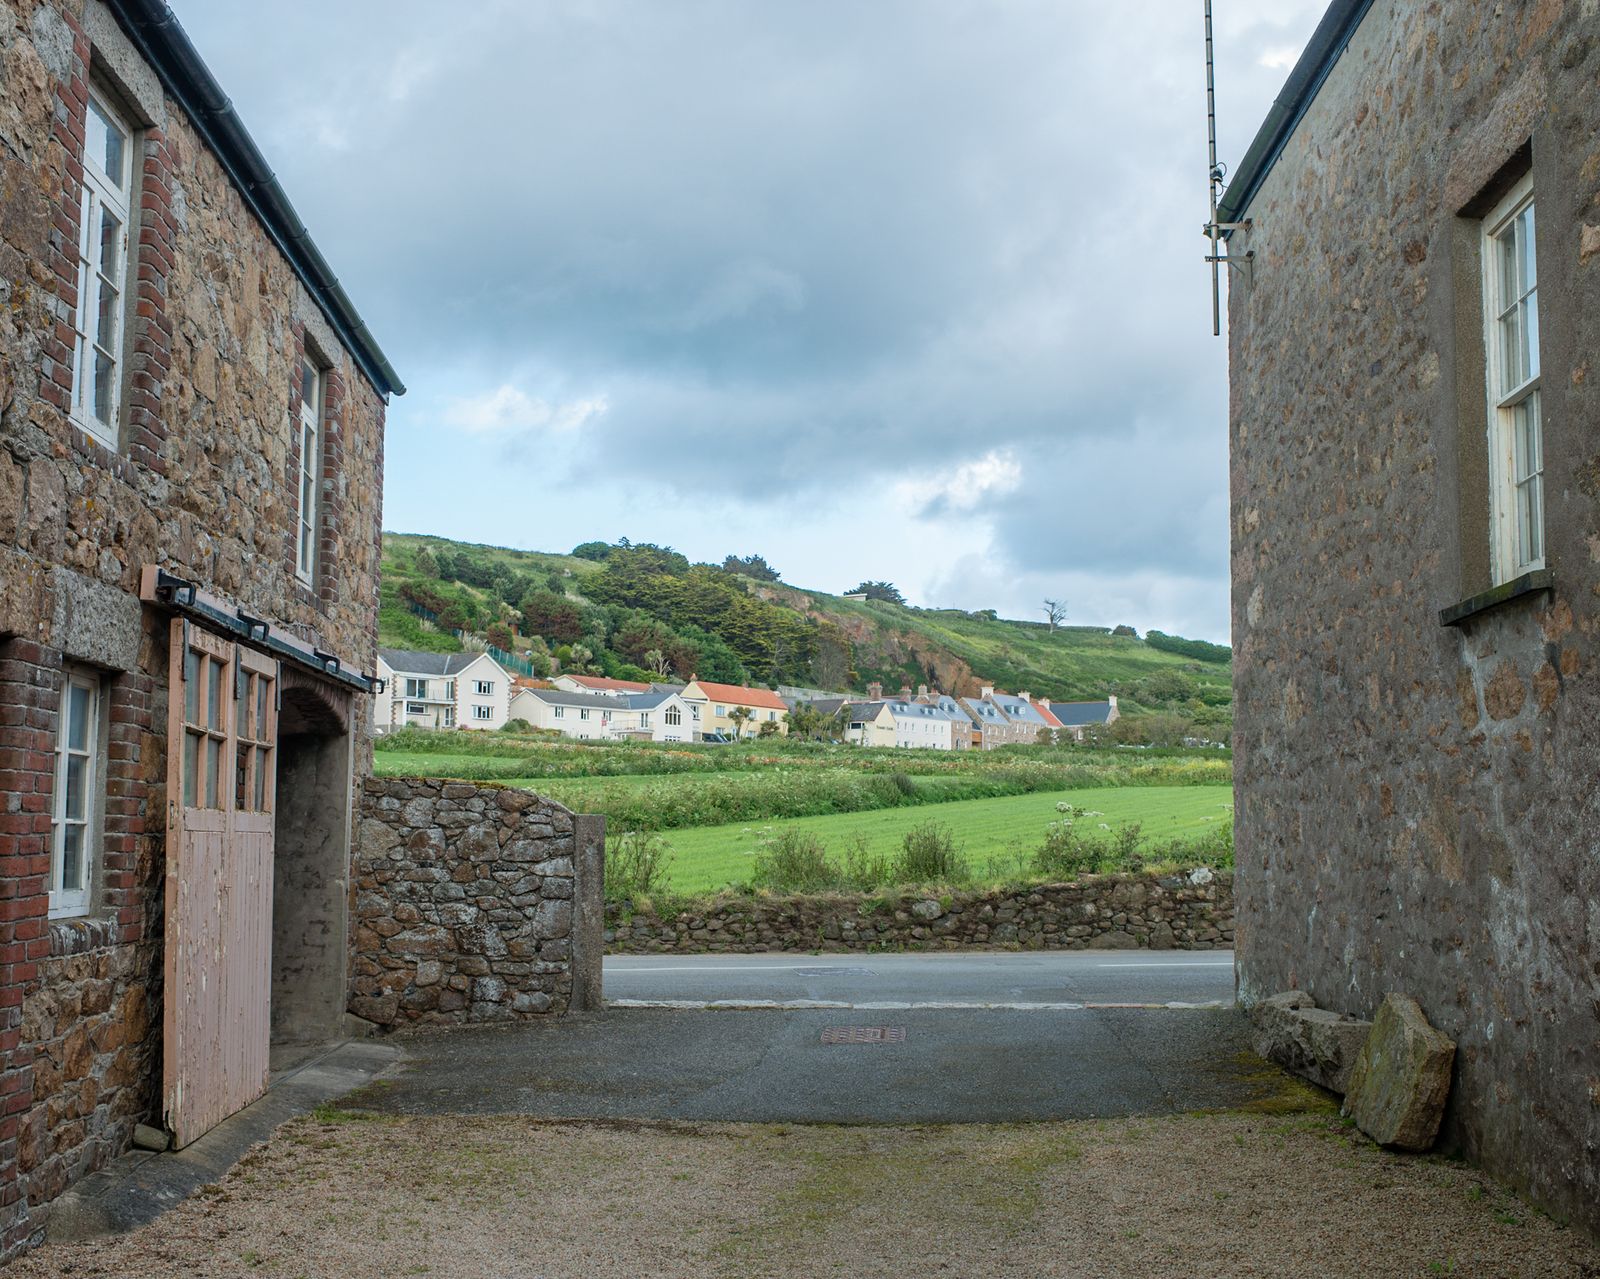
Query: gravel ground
{"points": [[363, 1196]]}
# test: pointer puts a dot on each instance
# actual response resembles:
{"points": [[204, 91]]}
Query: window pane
{"points": [[191, 768], [305, 549], [243, 704], [104, 381], [214, 694], [76, 786], [110, 244], [105, 143], [72, 859], [1528, 266], [308, 384], [242, 788], [1506, 250], [77, 717], [213, 768], [110, 311], [191, 685], [263, 762], [1530, 331], [261, 708]]}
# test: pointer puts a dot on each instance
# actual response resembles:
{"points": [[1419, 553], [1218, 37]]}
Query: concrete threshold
{"points": [[134, 1190]]}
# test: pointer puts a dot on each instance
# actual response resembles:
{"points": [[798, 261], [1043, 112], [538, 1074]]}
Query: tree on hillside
{"points": [[499, 636], [886, 591], [427, 566], [552, 616], [1055, 612], [755, 566], [591, 551]]}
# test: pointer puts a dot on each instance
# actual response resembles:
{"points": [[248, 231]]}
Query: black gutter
{"points": [[166, 47], [1329, 40]]}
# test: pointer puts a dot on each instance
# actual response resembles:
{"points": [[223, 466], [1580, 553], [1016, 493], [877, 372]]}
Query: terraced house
{"points": [[191, 459], [1416, 554]]}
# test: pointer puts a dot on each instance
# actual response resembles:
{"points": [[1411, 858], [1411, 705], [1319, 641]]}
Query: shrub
{"points": [[864, 869], [903, 783], [1065, 854], [637, 862], [795, 862], [928, 856]]}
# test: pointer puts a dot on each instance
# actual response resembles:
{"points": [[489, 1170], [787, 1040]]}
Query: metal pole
{"points": [[1211, 180]]}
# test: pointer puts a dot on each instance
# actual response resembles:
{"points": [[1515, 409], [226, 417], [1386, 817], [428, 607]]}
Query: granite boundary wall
{"points": [[1159, 912], [473, 904]]}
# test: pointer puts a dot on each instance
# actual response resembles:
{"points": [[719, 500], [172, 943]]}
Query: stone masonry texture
{"points": [[1419, 805], [199, 482], [1162, 912], [466, 898]]}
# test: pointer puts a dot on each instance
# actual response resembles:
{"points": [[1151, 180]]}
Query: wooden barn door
{"points": [[222, 739]]}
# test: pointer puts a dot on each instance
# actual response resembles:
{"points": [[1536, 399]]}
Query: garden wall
{"points": [[473, 904], [1191, 911]]}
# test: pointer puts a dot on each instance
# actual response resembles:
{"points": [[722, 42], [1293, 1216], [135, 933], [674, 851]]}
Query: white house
{"points": [[659, 717], [440, 690], [920, 726]]}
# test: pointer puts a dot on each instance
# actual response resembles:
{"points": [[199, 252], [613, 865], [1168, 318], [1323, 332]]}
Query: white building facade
{"points": [[440, 690]]}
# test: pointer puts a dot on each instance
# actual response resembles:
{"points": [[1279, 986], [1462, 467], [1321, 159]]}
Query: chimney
{"points": [[905, 692], [922, 690], [875, 691], [1025, 696], [988, 692]]}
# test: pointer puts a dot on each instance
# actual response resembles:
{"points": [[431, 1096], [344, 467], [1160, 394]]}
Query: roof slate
{"points": [[410, 661]]}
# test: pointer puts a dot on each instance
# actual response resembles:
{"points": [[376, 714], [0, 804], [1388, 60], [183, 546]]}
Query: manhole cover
{"points": [[839, 971], [864, 1035]]}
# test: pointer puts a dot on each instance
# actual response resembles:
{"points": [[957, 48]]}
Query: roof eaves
{"points": [[1299, 91], [167, 47]]}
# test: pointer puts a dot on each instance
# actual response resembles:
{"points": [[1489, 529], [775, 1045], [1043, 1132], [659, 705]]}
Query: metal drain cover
{"points": [[839, 971], [864, 1035]]}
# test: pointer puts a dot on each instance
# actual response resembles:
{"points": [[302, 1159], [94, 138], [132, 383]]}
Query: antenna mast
{"points": [[1216, 173]]}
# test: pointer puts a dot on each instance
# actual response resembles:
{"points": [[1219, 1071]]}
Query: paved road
{"points": [[898, 1039], [964, 979]]}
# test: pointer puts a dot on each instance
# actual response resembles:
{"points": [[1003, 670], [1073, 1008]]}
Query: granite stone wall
{"points": [[1418, 802], [1181, 912], [199, 480], [473, 904]]}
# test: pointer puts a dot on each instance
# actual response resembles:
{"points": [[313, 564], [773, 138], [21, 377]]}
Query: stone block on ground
{"points": [[1313, 1042], [1401, 1078]]}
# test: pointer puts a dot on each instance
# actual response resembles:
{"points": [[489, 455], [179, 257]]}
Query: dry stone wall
{"points": [[473, 904], [1179, 912]]}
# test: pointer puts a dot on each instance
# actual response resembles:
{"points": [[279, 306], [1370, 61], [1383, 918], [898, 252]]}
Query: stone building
{"points": [[191, 455], [1415, 369]]}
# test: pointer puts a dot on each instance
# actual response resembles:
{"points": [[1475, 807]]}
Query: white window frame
{"points": [[99, 328], [561, 712], [483, 712], [483, 687], [673, 716], [65, 902], [417, 688], [308, 483], [416, 708], [1516, 483], [583, 712]]}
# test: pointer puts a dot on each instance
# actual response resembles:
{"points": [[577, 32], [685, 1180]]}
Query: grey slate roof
{"points": [[644, 701], [921, 710], [865, 712], [826, 705], [410, 661], [1075, 714], [1018, 710], [555, 697]]}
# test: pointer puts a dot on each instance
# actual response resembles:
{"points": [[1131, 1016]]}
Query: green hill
{"points": [[646, 612]]}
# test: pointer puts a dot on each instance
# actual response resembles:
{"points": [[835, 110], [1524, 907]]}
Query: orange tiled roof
{"points": [[610, 685], [1043, 708], [763, 697]]}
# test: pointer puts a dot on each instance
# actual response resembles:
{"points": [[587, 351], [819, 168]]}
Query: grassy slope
{"points": [[994, 834], [892, 642]]}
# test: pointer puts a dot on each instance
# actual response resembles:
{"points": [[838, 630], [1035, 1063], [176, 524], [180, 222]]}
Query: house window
{"points": [[102, 270], [673, 716], [310, 467], [483, 712], [416, 688], [722, 710], [483, 687], [695, 712], [449, 716], [1516, 446], [561, 712], [416, 708], [644, 719], [72, 810]]}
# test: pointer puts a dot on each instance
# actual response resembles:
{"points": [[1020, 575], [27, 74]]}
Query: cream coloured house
{"points": [[440, 690], [712, 705]]}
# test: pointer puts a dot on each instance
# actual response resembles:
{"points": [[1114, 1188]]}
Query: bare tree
{"points": [[1055, 612]]}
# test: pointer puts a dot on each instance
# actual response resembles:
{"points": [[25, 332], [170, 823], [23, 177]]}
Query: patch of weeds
{"points": [[1474, 1193], [1508, 1218], [331, 1113]]}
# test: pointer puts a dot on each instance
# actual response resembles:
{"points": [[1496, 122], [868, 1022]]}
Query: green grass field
{"points": [[995, 835]]}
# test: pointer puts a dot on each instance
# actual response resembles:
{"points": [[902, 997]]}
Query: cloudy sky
{"points": [[900, 289]]}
